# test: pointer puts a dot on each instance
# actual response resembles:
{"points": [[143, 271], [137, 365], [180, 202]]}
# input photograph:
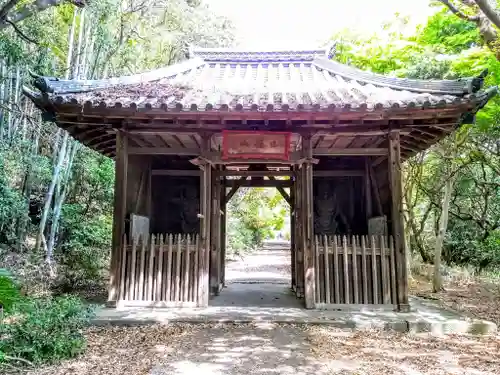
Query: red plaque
{"points": [[255, 145]]}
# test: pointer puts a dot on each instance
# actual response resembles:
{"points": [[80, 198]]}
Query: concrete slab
{"points": [[258, 291]]}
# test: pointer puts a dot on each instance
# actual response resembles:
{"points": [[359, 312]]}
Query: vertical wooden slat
{"points": [[317, 271], [178, 253], [140, 285], [150, 268], [346, 271], [196, 272], [355, 270], [336, 269], [131, 288], [169, 282], [327, 269], [364, 270], [121, 294], [186, 271], [383, 266], [393, 271], [159, 273], [374, 269]]}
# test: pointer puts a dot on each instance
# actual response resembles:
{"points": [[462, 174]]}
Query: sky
{"points": [[292, 23]]}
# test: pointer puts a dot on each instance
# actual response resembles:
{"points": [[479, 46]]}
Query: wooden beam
{"points": [[259, 183], [255, 173], [339, 173], [282, 191], [176, 172], [234, 188], [119, 214], [395, 176], [295, 157]]}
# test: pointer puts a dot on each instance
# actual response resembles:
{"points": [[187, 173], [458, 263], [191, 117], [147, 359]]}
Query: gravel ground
{"points": [[273, 349], [386, 353]]}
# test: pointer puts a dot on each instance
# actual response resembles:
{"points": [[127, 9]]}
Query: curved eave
{"points": [[57, 86], [457, 87]]}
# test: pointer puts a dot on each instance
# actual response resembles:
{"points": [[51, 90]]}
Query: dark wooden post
{"points": [[395, 177], [215, 235], [205, 216], [223, 222], [299, 235], [308, 240], [292, 232], [368, 191], [119, 214]]}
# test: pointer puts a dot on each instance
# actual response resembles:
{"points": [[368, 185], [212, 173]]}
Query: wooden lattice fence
{"points": [[163, 271], [357, 270]]}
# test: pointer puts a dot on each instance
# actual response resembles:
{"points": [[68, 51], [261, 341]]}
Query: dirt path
{"points": [[242, 349]]}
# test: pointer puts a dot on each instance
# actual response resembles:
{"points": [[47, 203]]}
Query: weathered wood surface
{"points": [[355, 270], [161, 271]]}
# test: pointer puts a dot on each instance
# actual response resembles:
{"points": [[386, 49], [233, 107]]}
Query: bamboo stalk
{"points": [[327, 270], [159, 273]]}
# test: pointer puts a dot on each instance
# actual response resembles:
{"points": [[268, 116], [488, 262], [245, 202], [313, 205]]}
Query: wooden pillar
{"points": [[223, 224], [205, 216], [299, 235], [308, 220], [395, 177], [368, 191], [215, 253], [119, 214], [292, 232]]}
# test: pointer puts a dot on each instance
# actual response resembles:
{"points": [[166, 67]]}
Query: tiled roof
{"points": [[228, 79]]}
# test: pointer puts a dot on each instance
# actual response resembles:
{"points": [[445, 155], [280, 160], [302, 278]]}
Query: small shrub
{"points": [[9, 290], [45, 329]]}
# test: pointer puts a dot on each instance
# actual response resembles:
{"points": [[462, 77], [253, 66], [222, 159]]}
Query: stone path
{"points": [[261, 279], [264, 349]]}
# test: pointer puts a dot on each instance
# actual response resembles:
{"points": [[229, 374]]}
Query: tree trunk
{"points": [[61, 196], [437, 280], [50, 193]]}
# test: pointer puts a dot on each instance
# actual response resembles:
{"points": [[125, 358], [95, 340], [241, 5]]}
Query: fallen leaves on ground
{"points": [[121, 350], [390, 353], [474, 297]]}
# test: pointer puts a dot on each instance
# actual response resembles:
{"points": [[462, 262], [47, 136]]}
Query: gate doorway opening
{"points": [[257, 260]]}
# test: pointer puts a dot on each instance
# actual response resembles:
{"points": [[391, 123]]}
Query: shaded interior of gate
{"points": [[165, 260]]}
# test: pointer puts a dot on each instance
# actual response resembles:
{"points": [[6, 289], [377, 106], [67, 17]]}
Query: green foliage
{"points": [[446, 47], [12, 204], [45, 329], [254, 214], [9, 290]]}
